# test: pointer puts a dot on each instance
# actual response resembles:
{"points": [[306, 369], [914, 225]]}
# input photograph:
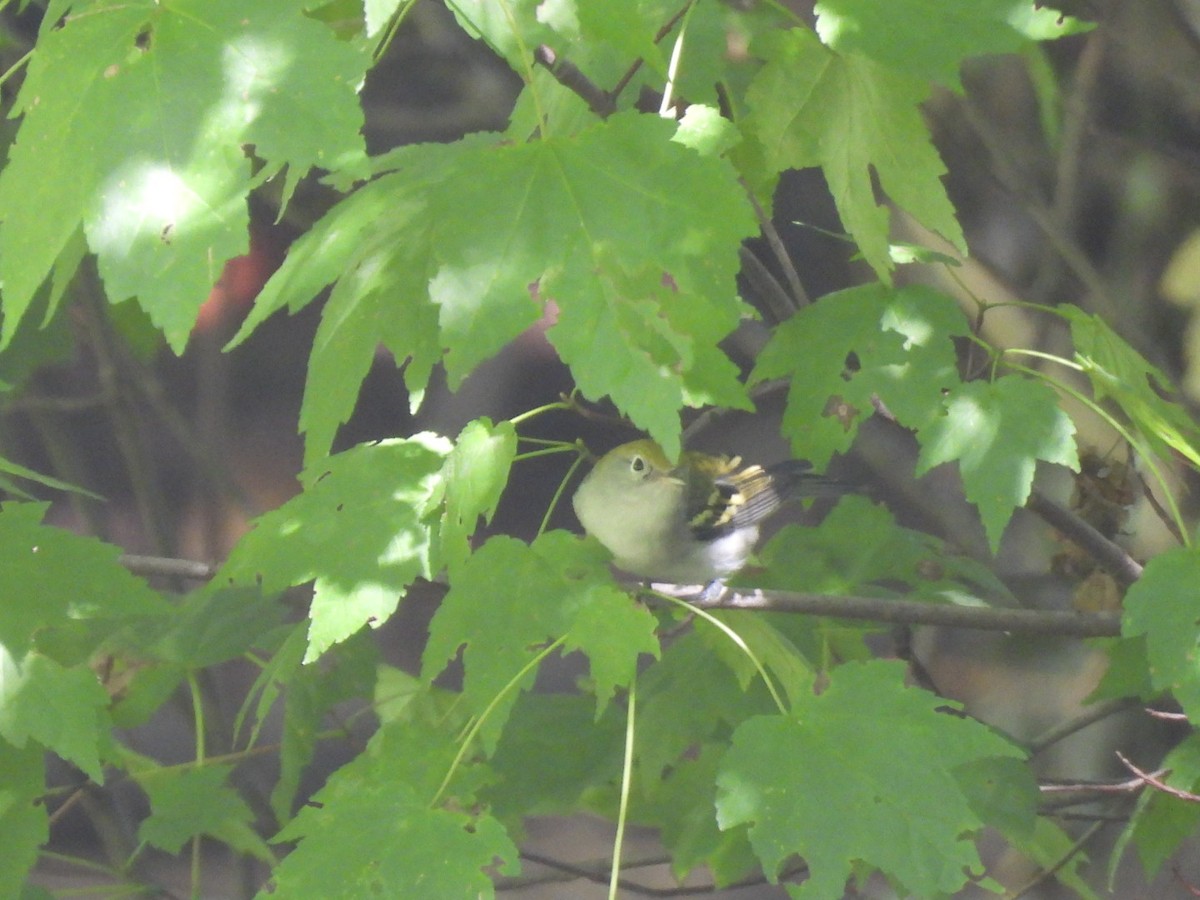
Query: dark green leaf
{"points": [[853, 346], [812, 106], [188, 802], [43, 562], [509, 600], [874, 753], [998, 431], [65, 710], [362, 546], [473, 477], [1164, 606], [372, 831]]}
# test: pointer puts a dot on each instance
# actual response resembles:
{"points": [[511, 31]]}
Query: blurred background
{"points": [[1076, 174]]}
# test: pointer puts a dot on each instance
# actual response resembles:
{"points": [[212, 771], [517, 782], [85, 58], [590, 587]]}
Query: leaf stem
{"points": [[1144, 451], [477, 724], [737, 639], [614, 878], [524, 417], [393, 28], [554, 501], [1049, 357]]}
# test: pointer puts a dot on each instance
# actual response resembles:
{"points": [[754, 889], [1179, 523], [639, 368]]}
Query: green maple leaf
{"points": [[553, 751], [900, 347], [632, 234], [683, 807], [874, 752], [360, 544], [1164, 606], [23, 818], [510, 599], [684, 699], [189, 802], [1141, 390], [474, 476], [997, 431], [372, 830], [812, 106], [162, 199], [931, 38], [63, 709], [373, 247], [44, 562]]}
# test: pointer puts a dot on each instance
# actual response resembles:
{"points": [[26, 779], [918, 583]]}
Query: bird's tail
{"points": [[794, 478]]}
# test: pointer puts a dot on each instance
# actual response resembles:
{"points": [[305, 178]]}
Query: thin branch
{"points": [[571, 77], [779, 306], [1048, 873], [1092, 715], [597, 873], [897, 612], [1090, 789], [1154, 780], [667, 27], [915, 612], [1109, 554], [167, 567], [1163, 515], [775, 242]]}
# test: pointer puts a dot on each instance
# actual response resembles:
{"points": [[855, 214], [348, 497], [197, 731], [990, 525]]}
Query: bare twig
{"points": [[167, 567], [1112, 556], [779, 306], [667, 27], [799, 296], [915, 612], [1048, 873], [1092, 715], [569, 76], [1154, 780], [597, 872]]}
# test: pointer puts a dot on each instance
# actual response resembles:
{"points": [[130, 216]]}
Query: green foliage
{"points": [[871, 342], [998, 432], [1163, 606], [185, 803], [750, 741], [826, 784], [162, 199]]}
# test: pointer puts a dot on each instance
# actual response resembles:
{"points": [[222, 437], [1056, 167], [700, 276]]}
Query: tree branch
{"points": [[167, 567], [571, 77], [915, 612], [1109, 554], [1154, 780]]}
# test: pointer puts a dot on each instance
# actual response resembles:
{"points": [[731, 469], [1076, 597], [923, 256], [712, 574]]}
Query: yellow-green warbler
{"points": [[691, 523]]}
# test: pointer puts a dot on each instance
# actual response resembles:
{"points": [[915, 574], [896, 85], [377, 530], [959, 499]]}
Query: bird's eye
{"points": [[637, 464]]}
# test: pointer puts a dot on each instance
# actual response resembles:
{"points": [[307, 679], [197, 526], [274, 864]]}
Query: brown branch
{"points": [[571, 77], [1154, 780], [1092, 715], [668, 26], [779, 305], [915, 612], [1109, 554], [1050, 871], [167, 567], [799, 296]]}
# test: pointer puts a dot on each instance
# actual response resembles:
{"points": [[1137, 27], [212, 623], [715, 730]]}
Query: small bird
{"points": [[692, 523]]}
